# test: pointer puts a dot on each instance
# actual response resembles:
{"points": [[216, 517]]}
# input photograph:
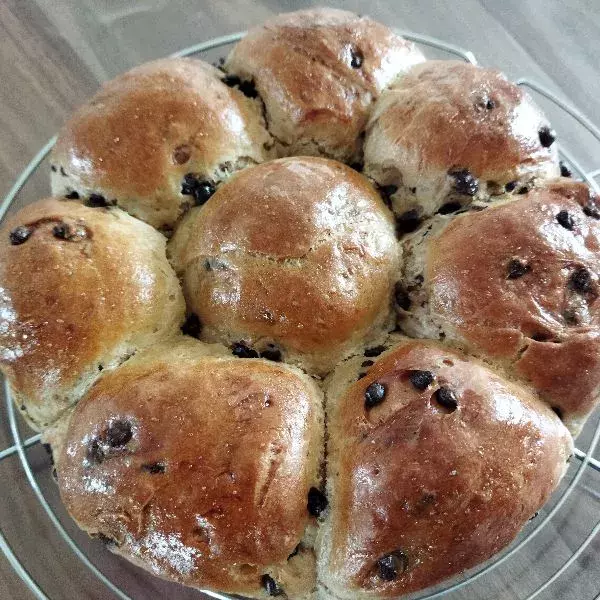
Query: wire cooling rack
{"points": [[584, 456]]}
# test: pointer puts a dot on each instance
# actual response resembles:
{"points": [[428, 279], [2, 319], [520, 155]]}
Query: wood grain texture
{"points": [[54, 54]]}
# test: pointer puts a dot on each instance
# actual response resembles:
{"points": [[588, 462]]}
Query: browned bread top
{"points": [[297, 252], [82, 289], [317, 72], [196, 465], [135, 141], [435, 464], [519, 282]]}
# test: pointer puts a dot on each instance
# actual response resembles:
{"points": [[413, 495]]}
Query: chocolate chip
{"points": [[391, 565], [356, 58], [408, 221], [246, 87], [565, 219], [591, 207], [72, 195], [449, 207], [154, 468], [564, 170], [61, 231], [375, 351], [401, 296], [271, 354], [464, 182], [490, 104], [48, 449], [19, 235], [413, 190], [510, 186], [192, 326], [231, 80], [200, 190], [241, 350], [523, 190], [53, 168], [104, 539], [270, 586], [445, 397], [517, 268], [95, 452], [96, 201], [118, 434], [367, 363], [387, 191], [360, 376], [421, 379], [63, 172], [581, 281], [591, 211], [374, 394], [317, 502], [547, 136]]}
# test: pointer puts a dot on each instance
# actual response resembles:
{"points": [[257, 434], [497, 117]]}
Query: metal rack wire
{"points": [[585, 456]]}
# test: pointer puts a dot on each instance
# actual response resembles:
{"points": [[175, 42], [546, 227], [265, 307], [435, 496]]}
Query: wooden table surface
{"points": [[54, 55]]}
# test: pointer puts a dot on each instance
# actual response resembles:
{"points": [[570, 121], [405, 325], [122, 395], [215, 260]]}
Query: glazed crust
{"points": [[539, 324], [300, 252], [450, 115], [300, 62], [445, 489], [134, 141], [73, 306], [211, 488]]}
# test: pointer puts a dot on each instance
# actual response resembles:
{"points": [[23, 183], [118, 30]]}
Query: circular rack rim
{"points": [[585, 456]]}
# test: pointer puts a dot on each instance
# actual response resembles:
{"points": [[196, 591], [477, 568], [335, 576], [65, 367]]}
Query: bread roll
{"points": [[157, 140], [318, 72], [517, 284], [434, 464], [449, 134], [295, 258], [82, 289], [198, 466]]}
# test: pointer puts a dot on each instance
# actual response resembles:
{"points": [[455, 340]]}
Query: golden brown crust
{"points": [[444, 489], [316, 101], [541, 319], [72, 306], [211, 488], [446, 117], [134, 141], [438, 111], [300, 252]]}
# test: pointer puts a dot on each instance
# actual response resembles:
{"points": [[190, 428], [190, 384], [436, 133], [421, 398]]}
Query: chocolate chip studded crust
{"points": [[518, 285], [154, 138], [449, 133], [318, 72], [421, 488], [86, 289], [197, 466], [299, 253]]}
